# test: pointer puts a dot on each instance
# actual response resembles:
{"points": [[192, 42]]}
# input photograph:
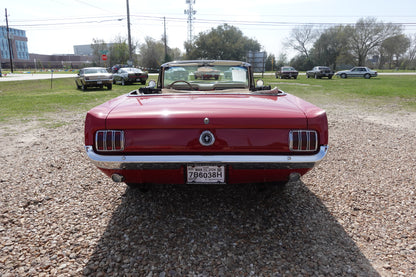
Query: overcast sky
{"points": [[55, 26]]}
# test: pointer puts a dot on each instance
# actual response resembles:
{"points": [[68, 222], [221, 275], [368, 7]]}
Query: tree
{"points": [[301, 39], [152, 53], [281, 60], [99, 47], [119, 52], [301, 63], [270, 63], [222, 43], [368, 34], [411, 53], [393, 48], [331, 44]]}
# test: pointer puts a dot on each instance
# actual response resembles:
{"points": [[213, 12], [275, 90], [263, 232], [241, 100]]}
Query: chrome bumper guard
{"points": [[175, 161]]}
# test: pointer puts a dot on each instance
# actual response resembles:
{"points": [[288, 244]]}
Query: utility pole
{"points": [[165, 39], [10, 43], [128, 32], [190, 12]]}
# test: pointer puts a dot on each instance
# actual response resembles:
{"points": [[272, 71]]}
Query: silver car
{"points": [[94, 77], [359, 71]]}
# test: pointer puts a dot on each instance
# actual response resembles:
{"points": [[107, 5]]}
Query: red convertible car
{"points": [[227, 131]]}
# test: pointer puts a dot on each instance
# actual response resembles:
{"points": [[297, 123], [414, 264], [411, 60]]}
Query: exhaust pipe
{"points": [[294, 177], [117, 178]]}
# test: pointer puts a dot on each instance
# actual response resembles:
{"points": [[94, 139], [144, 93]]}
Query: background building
{"points": [[86, 49], [83, 50], [18, 41], [22, 59]]}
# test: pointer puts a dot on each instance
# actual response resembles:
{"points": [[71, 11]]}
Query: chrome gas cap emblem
{"points": [[207, 138]]}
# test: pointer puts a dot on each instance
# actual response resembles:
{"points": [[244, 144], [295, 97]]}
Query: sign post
{"points": [[104, 58]]}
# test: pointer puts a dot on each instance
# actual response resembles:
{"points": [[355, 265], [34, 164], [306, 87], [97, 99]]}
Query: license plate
{"points": [[99, 82], [205, 174], [138, 80]]}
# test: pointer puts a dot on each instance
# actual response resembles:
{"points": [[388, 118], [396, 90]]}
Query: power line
{"points": [[159, 20]]}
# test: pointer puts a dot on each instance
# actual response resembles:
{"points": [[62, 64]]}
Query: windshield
{"points": [[206, 76], [95, 70]]}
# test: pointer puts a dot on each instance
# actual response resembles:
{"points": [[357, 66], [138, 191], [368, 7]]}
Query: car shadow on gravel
{"points": [[225, 231]]}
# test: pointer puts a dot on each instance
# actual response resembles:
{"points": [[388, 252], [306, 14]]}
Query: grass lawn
{"points": [[388, 90], [25, 100]]}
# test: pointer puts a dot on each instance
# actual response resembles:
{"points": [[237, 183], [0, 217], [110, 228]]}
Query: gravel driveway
{"points": [[352, 215]]}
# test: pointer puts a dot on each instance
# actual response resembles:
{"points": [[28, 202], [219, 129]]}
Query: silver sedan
{"points": [[359, 71]]}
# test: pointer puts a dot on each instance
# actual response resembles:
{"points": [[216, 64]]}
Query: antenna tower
{"points": [[190, 12]]}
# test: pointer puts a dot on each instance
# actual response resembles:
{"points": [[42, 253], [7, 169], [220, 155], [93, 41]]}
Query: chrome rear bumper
{"points": [[175, 161]]}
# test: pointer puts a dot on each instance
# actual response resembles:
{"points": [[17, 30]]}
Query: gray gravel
{"points": [[353, 215]]}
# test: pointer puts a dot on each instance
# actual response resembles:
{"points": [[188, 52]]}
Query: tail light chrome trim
{"points": [[109, 140], [303, 140]]}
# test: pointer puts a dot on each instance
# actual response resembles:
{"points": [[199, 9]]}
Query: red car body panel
{"points": [[244, 125], [151, 117]]}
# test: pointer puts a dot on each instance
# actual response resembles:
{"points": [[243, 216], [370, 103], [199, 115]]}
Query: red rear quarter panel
{"points": [[96, 118], [316, 117]]}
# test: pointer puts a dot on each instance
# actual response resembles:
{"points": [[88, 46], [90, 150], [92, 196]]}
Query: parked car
{"points": [[207, 72], [359, 71], [130, 75], [230, 131], [286, 72], [176, 73], [94, 77], [320, 71]]}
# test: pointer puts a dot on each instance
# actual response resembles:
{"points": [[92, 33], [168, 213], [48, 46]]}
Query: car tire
{"points": [[343, 76], [307, 76], [109, 87], [367, 76], [330, 77], [84, 87], [78, 86], [295, 77], [143, 82]]}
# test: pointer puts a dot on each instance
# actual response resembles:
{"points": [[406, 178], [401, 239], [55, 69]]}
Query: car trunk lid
{"points": [[239, 123]]}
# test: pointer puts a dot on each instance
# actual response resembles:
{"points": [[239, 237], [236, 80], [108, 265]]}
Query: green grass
{"points": [[35, 99], [384, 90], [23, 100]]}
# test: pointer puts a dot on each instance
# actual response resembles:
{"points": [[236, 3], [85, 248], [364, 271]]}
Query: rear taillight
{"points": [[303, 140], [109, 140]]}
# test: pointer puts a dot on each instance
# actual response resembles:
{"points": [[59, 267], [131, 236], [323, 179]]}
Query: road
{"points": [[26, 76]]}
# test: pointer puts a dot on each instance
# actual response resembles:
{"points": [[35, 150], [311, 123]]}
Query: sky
{"points": [[55, 26]]}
